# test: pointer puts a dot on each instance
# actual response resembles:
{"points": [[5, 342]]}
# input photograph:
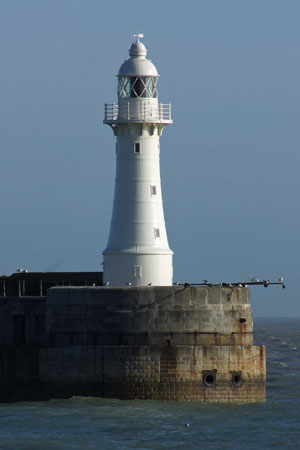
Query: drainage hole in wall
{"points": [[237, 380], [209, 378]]}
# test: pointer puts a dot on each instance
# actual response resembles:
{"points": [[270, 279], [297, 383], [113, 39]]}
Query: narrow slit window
{"points": [[152, 190], [137, 147], [156, 233], [137, 271]]}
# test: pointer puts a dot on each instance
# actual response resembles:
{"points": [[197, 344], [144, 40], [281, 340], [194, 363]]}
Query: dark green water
{"points": [[90, 423]]}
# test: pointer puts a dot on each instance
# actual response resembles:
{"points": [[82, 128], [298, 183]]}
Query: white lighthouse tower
{"points": [[137, 252]]}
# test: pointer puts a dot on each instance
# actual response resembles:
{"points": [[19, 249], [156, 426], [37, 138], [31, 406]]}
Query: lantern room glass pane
{"points": [[124, 87], [137, 87], [150, 83]]}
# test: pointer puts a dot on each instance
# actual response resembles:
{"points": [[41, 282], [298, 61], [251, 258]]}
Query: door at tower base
{"points": [[138, 269]]}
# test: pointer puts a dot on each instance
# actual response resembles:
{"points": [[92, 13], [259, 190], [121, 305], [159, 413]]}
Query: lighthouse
{"points": [[138, 252]]}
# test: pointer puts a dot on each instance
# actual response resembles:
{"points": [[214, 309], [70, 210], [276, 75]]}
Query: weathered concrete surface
{"points": [[149, 316], [154, 342], [187, 344], [161, 373], [22, 321]]}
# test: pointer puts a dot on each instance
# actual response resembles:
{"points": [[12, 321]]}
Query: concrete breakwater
{"points": [[178, 343]]}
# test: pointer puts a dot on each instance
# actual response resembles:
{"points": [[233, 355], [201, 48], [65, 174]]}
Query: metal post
{"points": [[41, 288]]}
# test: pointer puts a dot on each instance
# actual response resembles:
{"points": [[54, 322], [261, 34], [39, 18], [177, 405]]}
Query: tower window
{"points": [[137, 147], [137, 271], [156, 233], [153, 190]]}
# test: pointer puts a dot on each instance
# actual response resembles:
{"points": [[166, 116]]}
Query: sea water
{"points": [[93, 423]]}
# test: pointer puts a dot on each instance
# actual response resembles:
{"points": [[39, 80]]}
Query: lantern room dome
{"points": [[137, 64]]}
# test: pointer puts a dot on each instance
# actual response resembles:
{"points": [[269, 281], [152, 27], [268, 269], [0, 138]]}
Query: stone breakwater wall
{"points": [[166, 343], [184, 373]]}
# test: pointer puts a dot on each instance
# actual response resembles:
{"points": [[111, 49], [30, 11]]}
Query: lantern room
{"points": [[137, 76]]}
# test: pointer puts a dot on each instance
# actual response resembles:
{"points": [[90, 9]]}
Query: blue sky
{"points": [[230, 163]]}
